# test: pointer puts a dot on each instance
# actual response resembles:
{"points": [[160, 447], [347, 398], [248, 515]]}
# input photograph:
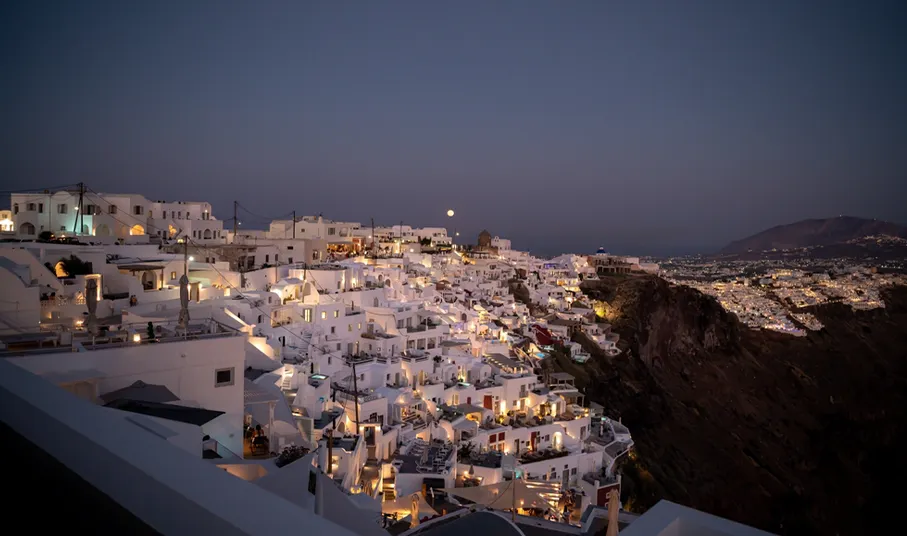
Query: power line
{"points": [[282, 216]]}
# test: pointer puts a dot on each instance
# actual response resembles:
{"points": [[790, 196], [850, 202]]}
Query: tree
{"points": [[425, 242], [75, 266], [465, 452], [46, 236], [150, 332]]}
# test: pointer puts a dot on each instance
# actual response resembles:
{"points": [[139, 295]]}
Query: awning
{"points": [[503, 495], [403, 506]]}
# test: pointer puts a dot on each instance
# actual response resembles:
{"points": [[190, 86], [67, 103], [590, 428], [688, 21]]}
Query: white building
{"points": [[130, 217]]}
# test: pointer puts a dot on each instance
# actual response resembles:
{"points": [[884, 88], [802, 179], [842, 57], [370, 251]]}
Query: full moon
{"points": [[450, 213]]}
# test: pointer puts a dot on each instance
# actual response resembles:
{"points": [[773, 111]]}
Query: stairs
{"points": [[388, 490]]}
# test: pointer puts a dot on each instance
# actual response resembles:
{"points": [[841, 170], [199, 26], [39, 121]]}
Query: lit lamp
{"points": [[136, 337]]}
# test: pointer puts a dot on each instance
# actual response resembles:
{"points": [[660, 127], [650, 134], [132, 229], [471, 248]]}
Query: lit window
{"points": [[336, 314], [307, 315], [324, 315]]}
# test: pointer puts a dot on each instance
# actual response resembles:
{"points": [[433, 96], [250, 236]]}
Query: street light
{"points": [[450, 213]]}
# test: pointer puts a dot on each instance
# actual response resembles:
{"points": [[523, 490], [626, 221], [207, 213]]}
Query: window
{"points": [[290, 248], [291, 260], [172, 275], [307, 315], [91, 210], [62, 227], [138, 210], [336, 314], [223, 377], [573, 472], [267, 258], [359, 326], [338, 344], [40, 208], [349, 327], [324, 315], [112, 209], [31, 207], [61, 208], [151, 214], [15, 208], [333, 330], [332, 230]]}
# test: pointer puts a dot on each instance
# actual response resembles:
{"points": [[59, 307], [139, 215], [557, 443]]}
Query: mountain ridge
{"points": [[814, 232]]}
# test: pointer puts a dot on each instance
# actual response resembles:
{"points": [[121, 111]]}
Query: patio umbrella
{"points": [[91, 300], [184, 302], [613, 509], [415, 511]]}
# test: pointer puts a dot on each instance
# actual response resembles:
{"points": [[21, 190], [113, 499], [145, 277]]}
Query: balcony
{"points": [[426, 326], [130, 335], [533, 456]]}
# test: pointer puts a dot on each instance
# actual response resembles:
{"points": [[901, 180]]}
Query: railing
{"points": [[601, 477], [362, 399], [120, 338], [62, 300]]}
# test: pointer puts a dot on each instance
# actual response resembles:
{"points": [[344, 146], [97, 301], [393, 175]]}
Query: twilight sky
{"points": [[644, 126]]}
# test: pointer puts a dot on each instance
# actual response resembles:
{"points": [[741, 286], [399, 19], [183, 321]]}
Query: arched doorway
{"points": [[102, 230], [207, 234], [149, 280], [27, 229], [137, 230]]}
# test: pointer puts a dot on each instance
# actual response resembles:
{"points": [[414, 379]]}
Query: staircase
{"points": [[306, 343], [285, 384], [388, 490]]}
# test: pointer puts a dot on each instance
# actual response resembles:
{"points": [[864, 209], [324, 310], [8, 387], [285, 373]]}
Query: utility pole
{"points": [[81, 207], [374, 253], [75, 223], [330, 450], [294, 225], [186, 256], [235, 204], [356, 396]]}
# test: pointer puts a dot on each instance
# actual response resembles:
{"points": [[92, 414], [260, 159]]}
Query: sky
{"points": [[643, 126]]}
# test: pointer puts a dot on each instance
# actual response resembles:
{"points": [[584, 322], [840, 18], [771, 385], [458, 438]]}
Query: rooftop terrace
{"points": [[127, 335]]}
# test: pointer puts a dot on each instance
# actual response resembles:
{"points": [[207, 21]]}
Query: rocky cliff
{"points": [[792, 435]]}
